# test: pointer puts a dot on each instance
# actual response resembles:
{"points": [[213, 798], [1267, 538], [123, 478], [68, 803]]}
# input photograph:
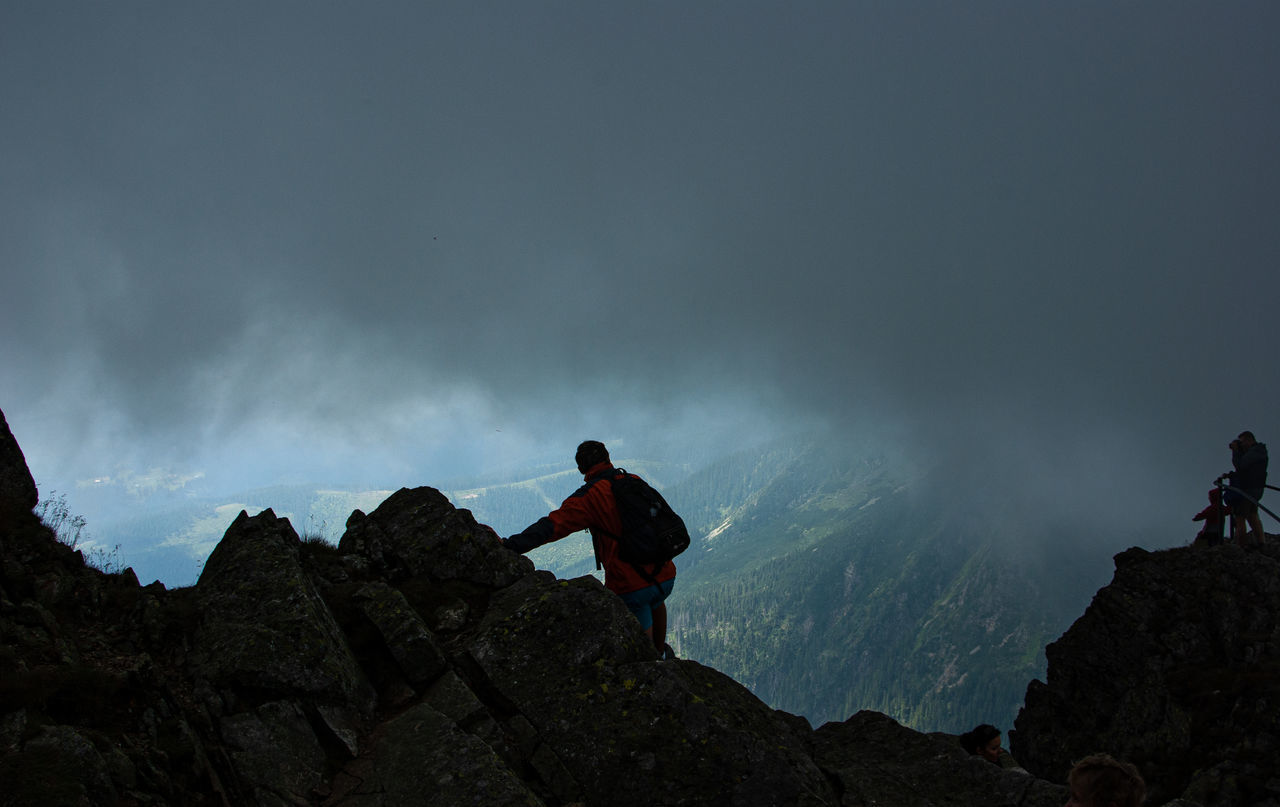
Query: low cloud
{"points": [[398, 245]]}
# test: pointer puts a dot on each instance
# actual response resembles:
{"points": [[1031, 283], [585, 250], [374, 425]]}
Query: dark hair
{"points": [[1246, 435], [1106, 781], [982, 734], [590, 454]]}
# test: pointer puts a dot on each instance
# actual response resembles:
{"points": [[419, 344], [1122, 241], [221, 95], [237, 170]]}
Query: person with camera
{"points": [[1249, 458]]}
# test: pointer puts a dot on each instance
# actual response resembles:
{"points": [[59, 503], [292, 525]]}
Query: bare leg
{"points": [[659, 632], [1255, 521]]}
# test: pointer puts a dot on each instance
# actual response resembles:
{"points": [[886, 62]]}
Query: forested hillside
{"points": [[828, 580], [823, 576]]}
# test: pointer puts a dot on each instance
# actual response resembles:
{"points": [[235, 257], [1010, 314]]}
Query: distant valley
{"points": [[825, 579]]}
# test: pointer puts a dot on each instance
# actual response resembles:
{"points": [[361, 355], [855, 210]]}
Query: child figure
{"points": [[1214, 517]]}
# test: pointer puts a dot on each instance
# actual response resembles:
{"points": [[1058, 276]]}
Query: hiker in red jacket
{"points": [[644, 589]]}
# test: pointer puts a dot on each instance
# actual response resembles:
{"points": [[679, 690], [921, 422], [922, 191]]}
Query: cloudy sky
{"points": [[390, 243]]}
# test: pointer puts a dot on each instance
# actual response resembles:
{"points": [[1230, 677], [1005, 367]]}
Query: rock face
{"points": [[1175, 666], [17, 488], [417, 663]]}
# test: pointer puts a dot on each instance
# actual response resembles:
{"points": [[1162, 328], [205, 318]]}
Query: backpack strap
{"points": [[595, 543]]}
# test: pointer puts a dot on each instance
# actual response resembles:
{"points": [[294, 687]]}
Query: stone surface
{"points": [[419, 532], [17, 487], [1175, 666], [264, 625], [275, 750], [421, 757], [420, 662], [403, 631], [877, 761]]}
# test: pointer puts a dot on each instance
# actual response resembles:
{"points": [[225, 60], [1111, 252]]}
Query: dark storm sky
{"points": [[401, 241]]}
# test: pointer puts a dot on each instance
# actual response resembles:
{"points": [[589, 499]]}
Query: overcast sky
{"points": [[395, 242]]}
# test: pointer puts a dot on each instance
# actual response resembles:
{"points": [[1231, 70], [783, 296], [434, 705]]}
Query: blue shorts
{"points": [[642, 602]]}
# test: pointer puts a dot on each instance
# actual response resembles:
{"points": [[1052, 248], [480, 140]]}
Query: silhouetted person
{"points": [[644, 589], [1100, 781], [984, 741], [1214, 517], [1249, 458]]}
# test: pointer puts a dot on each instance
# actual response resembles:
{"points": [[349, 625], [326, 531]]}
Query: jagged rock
{"points": [[78, 760], [421, 662], [276, 752], [630, 730], [450, 696], [877, 761], [64, 765], [422, 757], [419, 532], [17, 487], [403, 632], [264, 625], [1175, 666], [541, 624]]}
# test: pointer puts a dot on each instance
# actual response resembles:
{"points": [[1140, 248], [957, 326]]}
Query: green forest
{"points": [[821, 576], [828, 581]]}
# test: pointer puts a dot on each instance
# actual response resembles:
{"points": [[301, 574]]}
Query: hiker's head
{"points": [[984, 741], [1246, 439], [590, 454], [1100, 781]]}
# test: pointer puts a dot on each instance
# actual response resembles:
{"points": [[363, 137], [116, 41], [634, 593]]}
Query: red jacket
{"points": [[592, 507], [1215, 513]]}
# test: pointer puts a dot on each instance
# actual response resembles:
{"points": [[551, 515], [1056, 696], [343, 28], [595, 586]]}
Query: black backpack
{"points": [[652, 533]]}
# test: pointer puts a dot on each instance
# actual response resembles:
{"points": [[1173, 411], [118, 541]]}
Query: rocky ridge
{"points": [[420, 662], [1175, 666]]}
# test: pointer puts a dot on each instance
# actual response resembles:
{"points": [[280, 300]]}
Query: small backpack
{"points": [[652, 533]]}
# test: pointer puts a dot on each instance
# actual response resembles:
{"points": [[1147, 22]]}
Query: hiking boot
{"points": [[667, 653]]}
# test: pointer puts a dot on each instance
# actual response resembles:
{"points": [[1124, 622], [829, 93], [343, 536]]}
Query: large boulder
{"points": [[422, 757], [402, 631], [418, 532], [1175, 666], [617, 727], [265, 629]]}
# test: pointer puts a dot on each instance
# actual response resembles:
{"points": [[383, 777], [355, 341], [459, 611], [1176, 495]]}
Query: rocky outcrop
{"points": [[1175, 666], [419, 662], [870, 755], [17, 488]]}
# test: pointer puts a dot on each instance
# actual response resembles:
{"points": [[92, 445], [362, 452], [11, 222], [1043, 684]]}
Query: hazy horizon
{"points": [[400, 243]]}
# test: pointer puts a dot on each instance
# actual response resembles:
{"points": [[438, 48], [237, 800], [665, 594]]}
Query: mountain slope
{"points": [[837, 585], [829, 580], [823, 576], [418, 661]]}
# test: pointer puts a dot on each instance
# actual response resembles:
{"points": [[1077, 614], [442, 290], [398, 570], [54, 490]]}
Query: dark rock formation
{"points": [[418, 662], [1175, 666], [869, 753], [17, 488]]}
